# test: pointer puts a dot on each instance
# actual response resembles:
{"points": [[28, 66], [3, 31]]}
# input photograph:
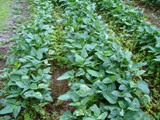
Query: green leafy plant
{"points": [[104, 82], [27, 79], [138, 35]]}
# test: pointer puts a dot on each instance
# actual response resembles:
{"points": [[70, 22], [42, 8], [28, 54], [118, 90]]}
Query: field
{"points": [[83, 60]]}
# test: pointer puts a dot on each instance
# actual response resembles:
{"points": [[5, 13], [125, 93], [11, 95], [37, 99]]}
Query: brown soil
{"points": [[3, 51], [58, 88]]}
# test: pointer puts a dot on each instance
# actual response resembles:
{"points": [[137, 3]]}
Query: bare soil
{"points": [[59, 88]]}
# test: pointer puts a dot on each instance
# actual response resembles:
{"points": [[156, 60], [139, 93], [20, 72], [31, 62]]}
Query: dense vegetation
{"points": [[27, 79], [152, 3], [93, 40]]}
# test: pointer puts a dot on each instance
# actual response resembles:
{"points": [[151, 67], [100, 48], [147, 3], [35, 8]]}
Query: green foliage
{"points": [[28, 78], [137, 35], [105, 83], [152, 3], [29, 115]]}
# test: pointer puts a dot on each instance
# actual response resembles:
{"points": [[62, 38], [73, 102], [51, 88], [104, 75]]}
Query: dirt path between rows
{"points": [[19, 13]]}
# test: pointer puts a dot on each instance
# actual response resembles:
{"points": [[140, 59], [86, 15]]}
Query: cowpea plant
{"points": [[144, 35], [27, 79], [152, 3], [104, 81]]}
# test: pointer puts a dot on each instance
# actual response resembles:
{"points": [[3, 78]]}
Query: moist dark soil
{"points": [[57, 108], [59, 88], [3, 51]]}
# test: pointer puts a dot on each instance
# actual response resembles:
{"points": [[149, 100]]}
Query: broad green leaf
{"points": [[80, 72], [89, 118], [109, 79], [33, 86], [64, 97], [47, 70], [75, 104], [110, 97], [20, 84], [79, 59], [51, 52], [135, 103], [16, 111], [74, 96], [140, 72], [96, 110], [66, 116], [157, 58], [42, 86], [143, 86], [14, 77], [91, 46], [48, 97], [33, 51], [123, 104], [67, 75], [13, 96], [103, 116], [84, 53], [101, 85], [85, 100], [93, 73], [122, 113], [79, 112], [158, 41], [100, 56], [6, 110], [32, 94], [85, 88]]}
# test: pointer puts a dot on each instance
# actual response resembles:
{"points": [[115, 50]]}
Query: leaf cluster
{"points": [[105, 82], [28, 77], [144, 35]]}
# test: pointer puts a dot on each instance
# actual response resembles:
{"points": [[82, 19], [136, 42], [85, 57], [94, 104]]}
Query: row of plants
{"points": [[26, 80], [152, 3], [104, 82], [141, 37]]}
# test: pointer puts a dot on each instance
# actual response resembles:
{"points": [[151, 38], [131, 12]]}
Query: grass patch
{"points": [[4, 12]]}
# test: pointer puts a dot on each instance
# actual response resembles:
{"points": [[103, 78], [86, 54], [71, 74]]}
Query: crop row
{"points": [[104, 81], [144, 36], [27, 78]]}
